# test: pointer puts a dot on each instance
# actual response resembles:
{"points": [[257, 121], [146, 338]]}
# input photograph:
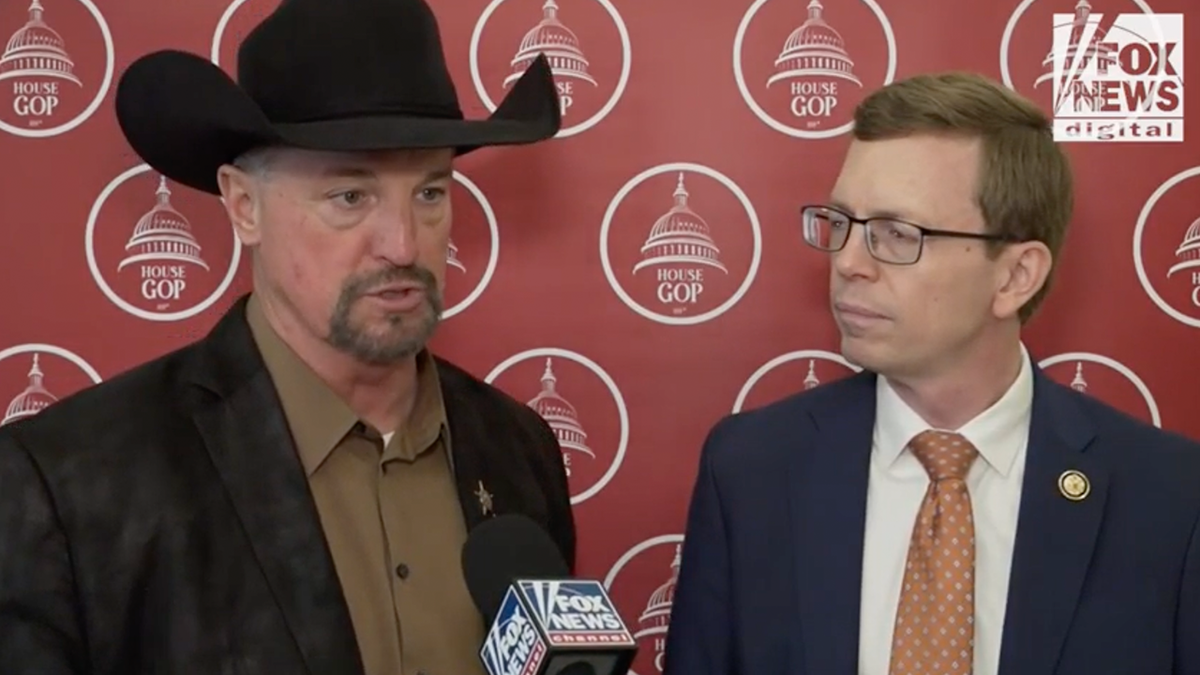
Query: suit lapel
{"points": [[828, 498], [248, 440], [482, 491], [1055, 535]]}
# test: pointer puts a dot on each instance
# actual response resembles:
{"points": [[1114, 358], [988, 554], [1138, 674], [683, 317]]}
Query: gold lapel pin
{"points": [[1074, 485], [485, 499]]}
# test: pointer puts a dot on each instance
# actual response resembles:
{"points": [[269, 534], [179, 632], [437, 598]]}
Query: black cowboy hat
{"points": [[340, 75]]}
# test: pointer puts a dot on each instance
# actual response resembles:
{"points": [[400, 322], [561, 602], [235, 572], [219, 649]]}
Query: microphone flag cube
{"points": [[540, 619]]}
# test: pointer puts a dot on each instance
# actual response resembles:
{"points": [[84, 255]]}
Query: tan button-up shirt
{"points": [[391, 515]]}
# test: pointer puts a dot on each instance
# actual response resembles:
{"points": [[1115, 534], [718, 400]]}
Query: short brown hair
{"points": [[1025, 186]]}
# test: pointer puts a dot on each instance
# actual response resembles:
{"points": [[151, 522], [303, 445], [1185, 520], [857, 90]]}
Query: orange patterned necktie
{"points": [[935, 621]]}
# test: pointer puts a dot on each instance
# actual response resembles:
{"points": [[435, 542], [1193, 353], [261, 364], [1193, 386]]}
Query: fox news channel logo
{"points": [[575, 613], [1118, 78], [514, 645]]}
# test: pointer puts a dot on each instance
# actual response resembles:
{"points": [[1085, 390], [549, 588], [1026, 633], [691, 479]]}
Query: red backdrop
{"points": [[563, 290]]}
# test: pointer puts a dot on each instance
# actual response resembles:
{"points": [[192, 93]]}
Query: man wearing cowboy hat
{"points": [[291, 493]]}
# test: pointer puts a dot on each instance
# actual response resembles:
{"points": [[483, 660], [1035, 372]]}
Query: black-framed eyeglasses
{"points": [[889, 240]]}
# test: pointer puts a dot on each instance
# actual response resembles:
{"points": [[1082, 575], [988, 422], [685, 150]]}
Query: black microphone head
{"points": [[502, 549]]}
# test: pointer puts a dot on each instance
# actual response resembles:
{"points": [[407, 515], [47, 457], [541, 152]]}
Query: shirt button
{"points": [[402, 572]]}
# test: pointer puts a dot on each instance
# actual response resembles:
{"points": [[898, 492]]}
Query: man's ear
{"points": [[241, 194], [1022, 270]]}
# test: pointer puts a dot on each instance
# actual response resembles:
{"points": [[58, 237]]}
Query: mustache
{"points": [[389, 275]]}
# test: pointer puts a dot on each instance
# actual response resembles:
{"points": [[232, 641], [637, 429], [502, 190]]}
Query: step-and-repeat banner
{"points": [[685, 123]]}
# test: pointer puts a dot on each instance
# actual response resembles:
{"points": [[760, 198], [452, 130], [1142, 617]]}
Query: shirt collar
{"points": [[998, 432], [318, 418]]}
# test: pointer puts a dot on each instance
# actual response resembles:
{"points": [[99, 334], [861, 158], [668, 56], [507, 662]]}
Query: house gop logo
{"points": [[582, 405], [56, 67], [585, 42], [233, 27], [803, 70], [474, 246], [1107, 379], [1166, 247], [1112, 70], [35, 376], [642, 586], [790, 373], [680, 244], [157, 251]]}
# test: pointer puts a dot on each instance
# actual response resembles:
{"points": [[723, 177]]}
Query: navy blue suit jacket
{"points": [[772, 560]]}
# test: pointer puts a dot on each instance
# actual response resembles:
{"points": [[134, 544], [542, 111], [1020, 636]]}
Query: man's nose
{"points": [[396, 236], [855, 259]]}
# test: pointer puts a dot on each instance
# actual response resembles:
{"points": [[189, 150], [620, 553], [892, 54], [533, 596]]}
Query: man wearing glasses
{"points": [[949, 510]]}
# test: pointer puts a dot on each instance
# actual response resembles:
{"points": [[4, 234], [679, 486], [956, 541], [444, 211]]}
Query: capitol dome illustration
{"points": [[1095, 50], [1079, 384], [559, 44], [561, 416], [162, 235], [1188, 251], [680, 236], [658, 607], [452, 258], [811, 381], [37, 50], [33, 400], [815, 49]]}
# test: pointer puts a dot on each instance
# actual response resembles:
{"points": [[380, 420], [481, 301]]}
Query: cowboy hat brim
{"points": [[185, 117]]}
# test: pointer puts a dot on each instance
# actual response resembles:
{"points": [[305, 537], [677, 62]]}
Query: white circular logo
{"points": [[582, 67], [244, 24], [642, 587], [1042, 78], [159, 252], [463, 256], [790, 373], [1111, 392], [35, 376], [49, 67], [680, 244], [801, 77], [1174, 259], [584, 412]]}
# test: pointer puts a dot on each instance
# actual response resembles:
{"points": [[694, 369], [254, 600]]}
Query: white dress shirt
{"points": [[897, 486]]}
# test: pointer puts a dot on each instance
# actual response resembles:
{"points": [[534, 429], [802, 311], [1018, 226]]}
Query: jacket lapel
{"points": [[483, 491], [1055, 535], [828, 502], [247, 437], [505, 459]]}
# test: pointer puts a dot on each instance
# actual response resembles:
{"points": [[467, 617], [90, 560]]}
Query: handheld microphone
{"points": [[541, 620]]}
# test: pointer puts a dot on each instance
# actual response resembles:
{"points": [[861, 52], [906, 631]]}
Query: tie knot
{"points": [[944, 454]]}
